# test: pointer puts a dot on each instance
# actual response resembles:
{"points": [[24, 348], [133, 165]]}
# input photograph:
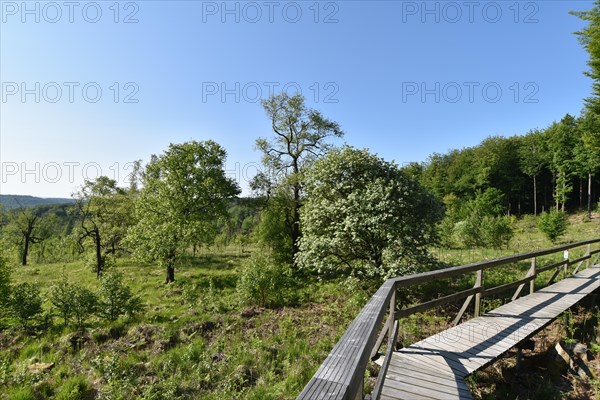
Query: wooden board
{"points": [[435, 367]]}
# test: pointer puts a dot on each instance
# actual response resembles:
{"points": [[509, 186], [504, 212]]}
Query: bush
{"points": [[85, 303], [61, 297], [26, 302], [446, 233], [263, 281], [553, 224], [115, 298], [487, 231], [75, 388], [73, 301], [497, 231], [5, 288]]}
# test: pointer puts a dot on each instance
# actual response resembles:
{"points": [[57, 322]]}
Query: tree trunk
{"points": [[589, 195], [25, 250], [98, 255], [295, 228], [580, 193], [534, 195], [170, 274], [170, 268]]}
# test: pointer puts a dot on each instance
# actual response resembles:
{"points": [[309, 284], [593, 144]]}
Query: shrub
{"points": [[263, 281], [497, 231], [115, 298], [75, 388], [446, 232], [85, 303], [553, 224], [22, 393], [5, 288], [468, 231], [73, 301], [61, 297], [26, 302]]}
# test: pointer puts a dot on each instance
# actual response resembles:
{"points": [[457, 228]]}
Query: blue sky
{"points": [[87, 87]]}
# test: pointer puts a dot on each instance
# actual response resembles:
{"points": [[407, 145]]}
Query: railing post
{"points": [[392, 316], [589, 250], [533, 273], [566, 264], [478, 283]]}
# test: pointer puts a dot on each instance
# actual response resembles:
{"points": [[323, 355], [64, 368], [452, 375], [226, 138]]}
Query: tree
{"points": [[105, 213], [553, 224], [587, 152], [184, 196], [532, 159], [115, 298], [301, 137], [365, 215], [561, 139], [589, 37], [27, 226]]}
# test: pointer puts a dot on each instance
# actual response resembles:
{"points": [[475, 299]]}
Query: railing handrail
{"points": [[341, 375]]}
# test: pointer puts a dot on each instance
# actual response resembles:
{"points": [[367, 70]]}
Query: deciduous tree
{"points": [[184, 195], [365, 215], [300, 137], [105, 212]]}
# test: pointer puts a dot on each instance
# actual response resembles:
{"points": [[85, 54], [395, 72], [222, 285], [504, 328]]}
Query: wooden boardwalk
{"points": [[435, 368]]}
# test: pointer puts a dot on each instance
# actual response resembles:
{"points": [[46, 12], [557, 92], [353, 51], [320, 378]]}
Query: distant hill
{"points": [[14, 200]]}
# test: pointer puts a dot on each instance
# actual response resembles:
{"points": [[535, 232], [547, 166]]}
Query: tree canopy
{"points": [[365, 215], [300, 137], [185, 194]]}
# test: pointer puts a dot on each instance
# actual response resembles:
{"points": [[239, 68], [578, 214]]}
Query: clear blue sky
{"points": [[404, 79]]}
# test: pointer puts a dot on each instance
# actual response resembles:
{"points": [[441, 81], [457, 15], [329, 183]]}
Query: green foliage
{"points": [[115, 298], [61, 296], [75, 388], [365, 215], [273, 230], [105, 212], [5, 286], [22, 393], [26, 302], [85, 304], [553, 224], [301, 136], [482, 223], [589, 37], [497, 231], [73, 301], [488, 231], [263, 281], [184, 196]]}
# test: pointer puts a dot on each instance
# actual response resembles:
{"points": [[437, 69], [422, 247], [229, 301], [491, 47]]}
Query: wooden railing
{"points": [[342, 374]]}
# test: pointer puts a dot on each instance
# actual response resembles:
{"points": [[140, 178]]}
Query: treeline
{"points": [[554, 167], [181, 202]]}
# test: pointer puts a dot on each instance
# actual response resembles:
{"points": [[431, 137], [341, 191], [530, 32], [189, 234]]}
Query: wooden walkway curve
{"points": [[435, 368]]}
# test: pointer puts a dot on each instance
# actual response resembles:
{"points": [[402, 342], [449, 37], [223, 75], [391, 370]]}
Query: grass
{"points": [[191, 342], [196, 340]]}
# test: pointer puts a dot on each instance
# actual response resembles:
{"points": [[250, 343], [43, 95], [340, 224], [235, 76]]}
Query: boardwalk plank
{"points": [[435, 367]]}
